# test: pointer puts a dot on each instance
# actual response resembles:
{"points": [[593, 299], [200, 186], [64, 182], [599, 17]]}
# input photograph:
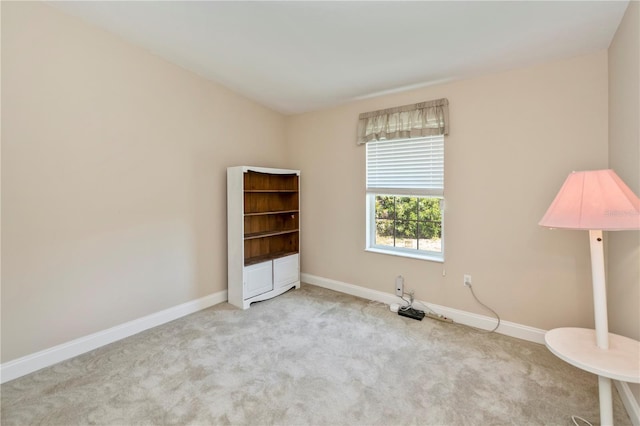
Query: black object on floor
{"points": [[411, 313]]}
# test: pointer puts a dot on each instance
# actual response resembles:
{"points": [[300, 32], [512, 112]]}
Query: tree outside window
{"points": [[409, 222]]}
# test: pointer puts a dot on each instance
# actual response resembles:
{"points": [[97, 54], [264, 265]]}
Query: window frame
{"points": [[372, 193]]}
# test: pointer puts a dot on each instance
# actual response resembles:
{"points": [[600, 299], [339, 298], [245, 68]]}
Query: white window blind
{"points": [[406, 166]]}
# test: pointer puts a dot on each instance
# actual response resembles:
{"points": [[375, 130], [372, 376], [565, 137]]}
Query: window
{"points": [[405, 194]]}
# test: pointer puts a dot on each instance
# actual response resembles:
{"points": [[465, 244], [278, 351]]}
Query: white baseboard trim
{"points": [[33, 362], [467, 318], [629, 401]]}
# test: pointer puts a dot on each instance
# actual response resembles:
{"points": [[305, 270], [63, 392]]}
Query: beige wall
{"points": [[514, 138], [624, 158], [113, 179]]}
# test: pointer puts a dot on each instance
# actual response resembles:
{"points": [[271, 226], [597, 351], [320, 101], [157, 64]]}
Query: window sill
{"points": [[429, 257]]}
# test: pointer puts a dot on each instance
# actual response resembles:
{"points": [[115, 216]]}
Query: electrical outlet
{"points": [[467, 280], [399, 286]]}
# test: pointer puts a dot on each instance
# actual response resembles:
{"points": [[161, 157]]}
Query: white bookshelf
{"points": [[263, 233]]}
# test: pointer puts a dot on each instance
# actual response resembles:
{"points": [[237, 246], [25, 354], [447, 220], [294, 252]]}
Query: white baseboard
{"points": [[467, 318], [30, 363], [629, 401]]}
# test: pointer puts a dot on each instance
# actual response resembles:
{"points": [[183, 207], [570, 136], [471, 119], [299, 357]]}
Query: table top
{"points": [[577, 346]]}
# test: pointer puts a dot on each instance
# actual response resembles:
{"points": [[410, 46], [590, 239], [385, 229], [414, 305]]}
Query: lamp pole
{"points": [[602, 327]]}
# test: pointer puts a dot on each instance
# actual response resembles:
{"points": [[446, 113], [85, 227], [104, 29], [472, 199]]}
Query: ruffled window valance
{"points": [[417, 120]]}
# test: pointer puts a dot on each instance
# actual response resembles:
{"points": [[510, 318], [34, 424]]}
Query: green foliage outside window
{"points": [[414, 222]]}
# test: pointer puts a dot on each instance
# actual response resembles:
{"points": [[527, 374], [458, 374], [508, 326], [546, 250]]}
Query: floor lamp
{"points": [[596, 201]]}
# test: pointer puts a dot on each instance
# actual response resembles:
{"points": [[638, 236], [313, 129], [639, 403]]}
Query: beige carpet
{"points": [[308, 357]]}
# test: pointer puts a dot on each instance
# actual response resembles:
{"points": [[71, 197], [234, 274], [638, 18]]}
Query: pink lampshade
{"points": [[596, 199]]}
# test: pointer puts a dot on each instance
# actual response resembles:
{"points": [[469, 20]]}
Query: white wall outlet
{"points": [[399, 286], [467, 280]]}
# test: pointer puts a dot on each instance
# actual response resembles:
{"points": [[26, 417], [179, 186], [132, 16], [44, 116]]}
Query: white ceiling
{"points": [[300, 56]]}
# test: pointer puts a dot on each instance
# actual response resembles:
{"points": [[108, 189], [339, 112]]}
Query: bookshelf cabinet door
{"points": [[258, 279], [286, 270]]}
